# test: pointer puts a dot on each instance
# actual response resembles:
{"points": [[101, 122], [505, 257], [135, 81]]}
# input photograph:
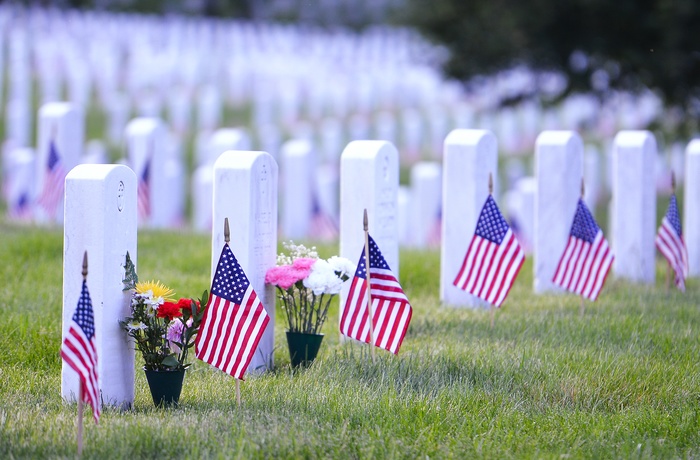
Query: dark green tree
{"points": [[599, 45]]}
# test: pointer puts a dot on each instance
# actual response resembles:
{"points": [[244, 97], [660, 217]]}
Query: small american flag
{"points": [[234, 320], [143, 200], [587, 257], [493, 259], [322, 227], [19, 209], [434, 236], [669, 241], [80, 353], [54, 177], [390, 308]]}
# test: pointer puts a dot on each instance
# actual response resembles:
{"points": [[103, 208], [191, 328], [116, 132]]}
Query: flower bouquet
{"points": [[163, 330], [306, 284]]}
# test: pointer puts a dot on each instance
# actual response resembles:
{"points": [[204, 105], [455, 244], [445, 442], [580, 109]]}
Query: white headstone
{"points": [[403, 215], [369, 179], [202, 193], [147, 147], [426, 203], [470, 155], [558, 171], [633, 214], [520, 203], [691, 212], [224, 139], [101, 219], [61, 124], [245, 191], [298, 182], [18, 183]]}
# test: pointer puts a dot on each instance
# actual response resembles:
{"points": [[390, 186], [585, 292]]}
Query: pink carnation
{"points": [[285, 276]]}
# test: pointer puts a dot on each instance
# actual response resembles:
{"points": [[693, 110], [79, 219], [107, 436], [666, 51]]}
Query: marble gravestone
{"points": [[633, 216], [369, 179], [298, 183], [60, 139], [148, 152], [469, 156], [100, 218], [426, 204], [245, 192], [691, 213], [558, 171]]}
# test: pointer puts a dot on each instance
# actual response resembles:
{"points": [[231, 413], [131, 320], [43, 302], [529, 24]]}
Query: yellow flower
{"points": [[157, 289]]}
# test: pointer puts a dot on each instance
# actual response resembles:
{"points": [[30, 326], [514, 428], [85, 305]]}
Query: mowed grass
{"points": [[622, 381]]}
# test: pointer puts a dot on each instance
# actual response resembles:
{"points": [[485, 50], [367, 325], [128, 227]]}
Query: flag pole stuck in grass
{"points": [[583, 300], [234, 320], [587, 258], [369, 284], [493, 259], [670, 243], [376, 312], [79, 351]]}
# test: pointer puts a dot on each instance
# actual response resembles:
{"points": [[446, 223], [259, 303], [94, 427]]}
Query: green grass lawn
{"points": [[623, 381]]}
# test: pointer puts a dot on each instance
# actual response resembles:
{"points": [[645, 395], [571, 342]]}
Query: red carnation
{"points": [[169, 310], [186, 304]]}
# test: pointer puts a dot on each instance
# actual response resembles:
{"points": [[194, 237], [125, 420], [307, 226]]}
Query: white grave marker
{"points": [[691, 211], [101, 219], [558, 171], [245, 191], [633, 214], [369, 179], [470, 155], [298, 173], [59, 148], [426, 203]]}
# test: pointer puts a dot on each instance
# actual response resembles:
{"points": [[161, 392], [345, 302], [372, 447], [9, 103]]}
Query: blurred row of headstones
{"points": [[162, 84]]}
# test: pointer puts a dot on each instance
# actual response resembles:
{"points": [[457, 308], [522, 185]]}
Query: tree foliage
{"points": [[599, 45]]}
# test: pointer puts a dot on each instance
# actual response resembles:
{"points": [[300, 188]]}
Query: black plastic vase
{"points": [[303, 347], [165, 386]]}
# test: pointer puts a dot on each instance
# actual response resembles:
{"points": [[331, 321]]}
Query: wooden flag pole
{"points": [[227, 239], [582, 309], [369, 291], [493, 309], [80, 383]]}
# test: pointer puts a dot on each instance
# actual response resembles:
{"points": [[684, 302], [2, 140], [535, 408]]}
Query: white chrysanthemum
{"points": [[136, 326], [322, 279], [342, 266]]}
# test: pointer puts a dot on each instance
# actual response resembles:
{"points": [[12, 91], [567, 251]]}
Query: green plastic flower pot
{"points": [[165, 386], [303, 348]]}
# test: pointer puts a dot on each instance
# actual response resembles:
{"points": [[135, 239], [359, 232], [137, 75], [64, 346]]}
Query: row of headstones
{"points": [[249, 72], [101, 215]]}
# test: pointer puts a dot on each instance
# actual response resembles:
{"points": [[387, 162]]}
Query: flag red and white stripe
{"points": [[79, 351], [54, 181], [391, 311], [587, 257], [493, 259], [143, 193], [234, 321], [670, 243]]}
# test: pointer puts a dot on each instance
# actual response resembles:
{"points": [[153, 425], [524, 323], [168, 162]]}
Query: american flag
{"points": [[52, 191], [322, 227], [390, 308], [80, 353], [587, 257], [434, 236], [669, 241], [19, 209], [234, 320], [143, 201], [493, 259]]}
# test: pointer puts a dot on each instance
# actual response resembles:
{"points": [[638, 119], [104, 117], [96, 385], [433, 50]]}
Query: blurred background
{"points": [[331, 71]]}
